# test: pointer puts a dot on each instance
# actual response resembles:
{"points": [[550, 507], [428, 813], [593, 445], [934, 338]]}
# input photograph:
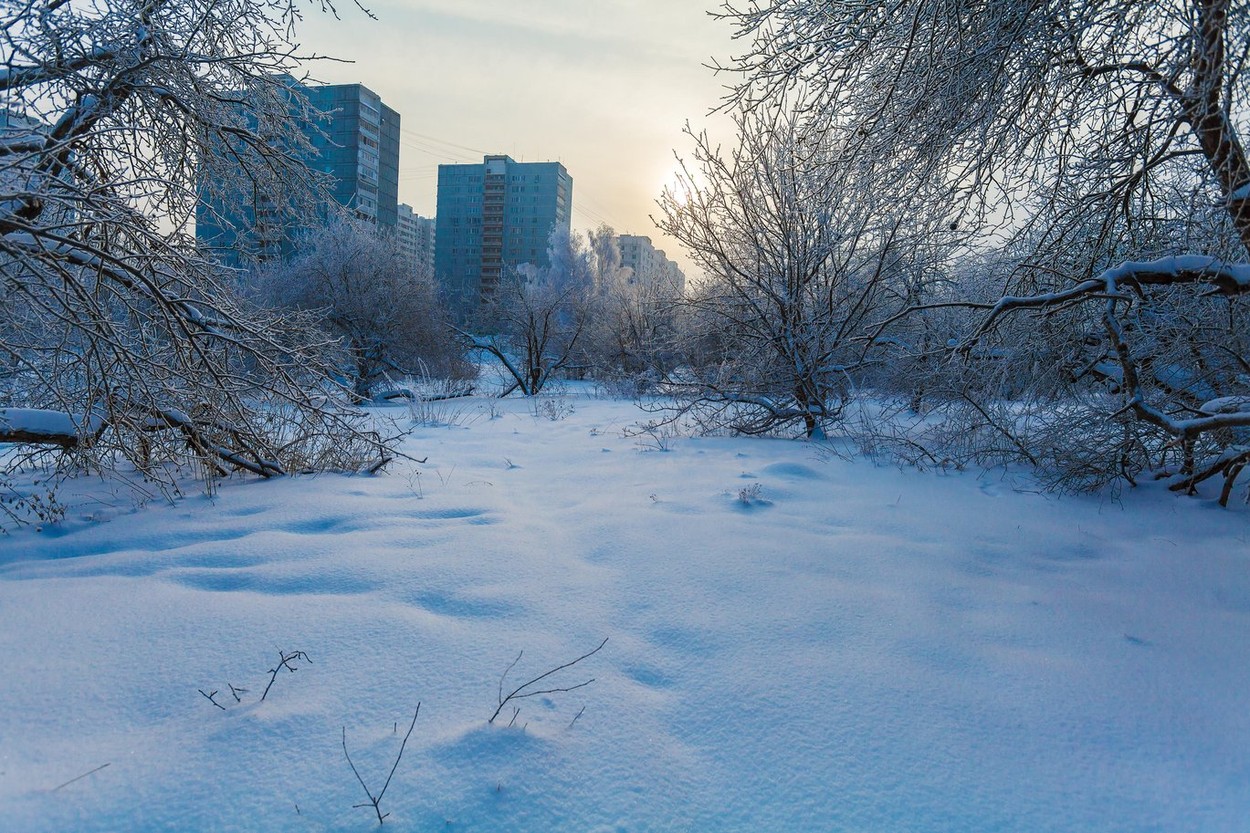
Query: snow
{"points": [[797, 642], [1234, 277], [50, 423], [1226, 405]]}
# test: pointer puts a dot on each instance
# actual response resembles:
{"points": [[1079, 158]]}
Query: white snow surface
{"points": [[847, 647], [39, 421], [1226, 405]]}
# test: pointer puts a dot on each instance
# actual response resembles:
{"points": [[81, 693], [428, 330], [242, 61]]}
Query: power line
{"points": [[437, 152], [438, 141], [593, 216]]}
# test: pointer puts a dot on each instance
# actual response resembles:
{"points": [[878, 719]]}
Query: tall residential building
{"points": [[356, 144], [415, 235], [651, 266], [492, 218], [359, 148]]}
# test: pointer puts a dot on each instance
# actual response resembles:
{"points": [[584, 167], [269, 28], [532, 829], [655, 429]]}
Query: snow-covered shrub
{"points": [[385, 314]]}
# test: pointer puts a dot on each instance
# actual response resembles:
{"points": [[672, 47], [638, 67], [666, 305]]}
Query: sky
{"points": [[606, 87]]}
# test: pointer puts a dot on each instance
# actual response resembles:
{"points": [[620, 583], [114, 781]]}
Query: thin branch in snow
{"points": [[286, 660], [80, 777], [210, 695], [375, 801], [524, 690]]}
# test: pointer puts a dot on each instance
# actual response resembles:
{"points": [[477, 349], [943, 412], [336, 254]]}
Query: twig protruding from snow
{"points": [[375, 801], [285, 661], [520, 692]]}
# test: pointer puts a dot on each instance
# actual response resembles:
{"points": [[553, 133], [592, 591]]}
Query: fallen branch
{"points": [[35, 426]]}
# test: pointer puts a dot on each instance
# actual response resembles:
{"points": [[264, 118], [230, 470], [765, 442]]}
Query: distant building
{"points": [[14, 126], [359, 149], [415, 235], [651, 266], [492, 218], [26, 141], [356, 145]]}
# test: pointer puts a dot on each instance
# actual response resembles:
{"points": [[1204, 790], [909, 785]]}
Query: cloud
{"points": [[628, 28]]}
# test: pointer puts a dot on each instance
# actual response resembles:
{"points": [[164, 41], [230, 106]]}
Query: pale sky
{"points": [[604, 86]]}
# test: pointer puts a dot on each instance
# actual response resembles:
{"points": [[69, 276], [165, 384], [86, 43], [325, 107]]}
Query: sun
{"points": [[679, 183]]}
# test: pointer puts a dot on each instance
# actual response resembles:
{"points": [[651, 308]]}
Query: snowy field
{"points": [[795, 643]]}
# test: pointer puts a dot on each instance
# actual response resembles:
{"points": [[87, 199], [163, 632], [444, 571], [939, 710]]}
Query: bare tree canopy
{"points": [[108, 315], [800, 253], [1000, 99], [384, 311], [1096, 153]]}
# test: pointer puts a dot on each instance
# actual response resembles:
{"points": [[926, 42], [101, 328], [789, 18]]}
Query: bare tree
{"points": [[800, 255], [632, 341], [386, 314], [1004, 102], [628, 335], [534, 322], [1103, 141], [115, 333]]}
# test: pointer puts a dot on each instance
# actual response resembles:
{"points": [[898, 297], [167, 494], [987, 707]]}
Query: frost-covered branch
{"points": [[1176, 270], [116, 116]]}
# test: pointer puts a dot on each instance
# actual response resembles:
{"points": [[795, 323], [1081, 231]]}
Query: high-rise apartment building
{"points": [[359, 148], [356, 145], [651, 266], [415, 235], [492, 218]]}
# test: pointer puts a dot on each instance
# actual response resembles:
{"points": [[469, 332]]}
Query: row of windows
{"points": [[477, 221], [474, 260], [522, 241], [455, 174]]}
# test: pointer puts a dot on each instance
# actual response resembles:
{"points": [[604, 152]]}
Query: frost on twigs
{"points": [[124, 346], [1095, 161], [800, 253]]}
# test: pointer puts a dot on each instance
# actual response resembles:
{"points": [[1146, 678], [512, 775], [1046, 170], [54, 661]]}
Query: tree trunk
{"points": [[1208, 117]]}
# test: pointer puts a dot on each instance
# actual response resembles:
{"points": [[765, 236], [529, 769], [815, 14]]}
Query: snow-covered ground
{"points": [[795, 643]]}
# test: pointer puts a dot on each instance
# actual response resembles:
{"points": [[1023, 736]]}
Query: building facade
{"points": [[415, 235], [359, 148], [492, 218], [356, 145], [650, 265]]}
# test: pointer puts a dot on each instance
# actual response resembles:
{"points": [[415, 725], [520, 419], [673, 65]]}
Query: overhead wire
{"points": [[586, 207]]}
